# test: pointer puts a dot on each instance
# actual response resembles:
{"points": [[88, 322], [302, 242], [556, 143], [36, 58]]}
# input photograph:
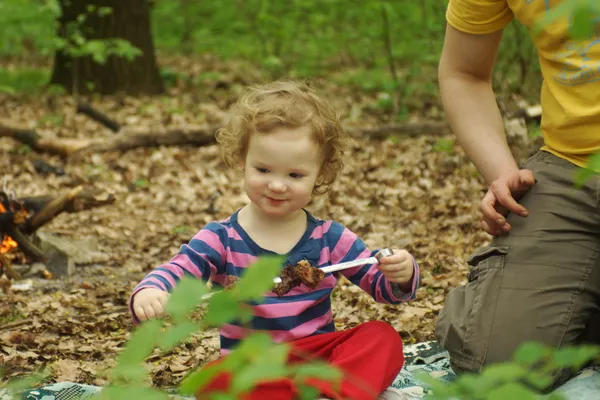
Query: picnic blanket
{"points": [[426, 357]]}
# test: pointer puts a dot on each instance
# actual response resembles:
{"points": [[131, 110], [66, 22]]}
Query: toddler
{"points": [[289, 142]]}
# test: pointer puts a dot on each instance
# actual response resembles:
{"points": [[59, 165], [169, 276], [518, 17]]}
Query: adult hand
{"points": [[501, 198], [149, 303]]}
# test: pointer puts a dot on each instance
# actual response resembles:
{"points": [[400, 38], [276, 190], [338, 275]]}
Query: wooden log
{"points": [[52, 209], [130, 138]]}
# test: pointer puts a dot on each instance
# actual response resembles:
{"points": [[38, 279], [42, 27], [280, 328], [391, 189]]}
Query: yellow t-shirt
{"points": [[570, 95]]}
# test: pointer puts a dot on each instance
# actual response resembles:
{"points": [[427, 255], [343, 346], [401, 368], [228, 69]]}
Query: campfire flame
{"points": [[7, 242]]}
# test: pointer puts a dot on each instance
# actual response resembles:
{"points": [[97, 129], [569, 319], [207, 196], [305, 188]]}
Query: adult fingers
{"points": [[490, 214], [526, 178], [504, 196], [497, 230]]}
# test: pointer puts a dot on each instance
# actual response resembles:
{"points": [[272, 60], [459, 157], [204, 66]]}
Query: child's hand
{"points": [[398, 267], [149, 303]]}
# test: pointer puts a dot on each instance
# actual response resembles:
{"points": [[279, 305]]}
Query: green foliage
{"points": [[22, 80], [76, 44], [530, 371], [255, 359], [444, 145]]}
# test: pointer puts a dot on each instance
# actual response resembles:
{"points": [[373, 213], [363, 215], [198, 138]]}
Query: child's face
{"points": [[281, 169]]}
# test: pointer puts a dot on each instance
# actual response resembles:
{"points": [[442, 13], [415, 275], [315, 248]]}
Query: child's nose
{"points": [[277, 186]]}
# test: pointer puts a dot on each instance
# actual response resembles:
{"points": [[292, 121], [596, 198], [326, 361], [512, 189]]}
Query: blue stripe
{"points": [[239, 246], [384, 292], [156, 285], [186, 272], [312, 296], [333, 235], [160, 278], [227, 343], [354, 253], [291, 322], [197, 247], [330, 327], [170, 272]]}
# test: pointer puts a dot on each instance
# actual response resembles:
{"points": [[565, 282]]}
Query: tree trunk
{"points": [[129, 20]]}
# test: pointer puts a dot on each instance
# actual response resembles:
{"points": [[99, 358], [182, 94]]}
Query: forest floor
{"points": [[418, 193]]}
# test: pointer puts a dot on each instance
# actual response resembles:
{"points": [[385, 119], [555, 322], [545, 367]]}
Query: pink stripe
{"points": [[324, 257], [146, 284], [366, 253], [234, 332], [303, 330], [320, 231], [211, 239], [279, 336], [183, 261], [163, 274], [232, 233], [241, 260], [280, 310], [343, 246], [367, 279]]}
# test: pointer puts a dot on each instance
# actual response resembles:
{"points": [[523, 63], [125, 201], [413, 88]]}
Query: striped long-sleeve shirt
{"points": [[222, 249]]}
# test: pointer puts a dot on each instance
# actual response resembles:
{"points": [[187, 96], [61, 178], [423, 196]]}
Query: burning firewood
{"points": [[20, 218]]}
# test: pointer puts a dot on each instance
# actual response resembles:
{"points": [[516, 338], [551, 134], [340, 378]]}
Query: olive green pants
{"points": [[540, 282]]}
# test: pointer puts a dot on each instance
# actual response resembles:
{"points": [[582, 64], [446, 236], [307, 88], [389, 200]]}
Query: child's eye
{"points": [[262, 170], [296, 175]]}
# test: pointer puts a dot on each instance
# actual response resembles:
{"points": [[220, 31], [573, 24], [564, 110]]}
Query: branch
{"points": [[25, 245], [47, 144], [52, 209], [97, 116]]}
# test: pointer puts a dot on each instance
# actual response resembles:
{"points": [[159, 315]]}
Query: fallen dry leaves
{"points": [[396, 193]]}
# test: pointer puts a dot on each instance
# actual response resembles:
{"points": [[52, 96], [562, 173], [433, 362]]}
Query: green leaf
{"points": [[258, 277], [103, 11], [177, 334], [575, 357], [142, 342], [7, 89], [504, 372], [248, 377], [223, 396], [556, 396], [594, 163], [582, 25], [563, 10], [512, 391], [317, 370], [531, 353], [308, 392], [200, 378], [223, 308], [539, 379], [20, 384], [128, 393], [185, 297]]}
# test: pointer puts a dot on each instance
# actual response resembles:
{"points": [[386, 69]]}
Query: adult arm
{"points": [[465, 79]]}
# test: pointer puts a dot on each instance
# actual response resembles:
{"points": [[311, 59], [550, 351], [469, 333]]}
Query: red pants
{"points": [[370, 356]]}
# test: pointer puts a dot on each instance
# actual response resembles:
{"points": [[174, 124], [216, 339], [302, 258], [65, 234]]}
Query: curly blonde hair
{"points": [[293, 104]]}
